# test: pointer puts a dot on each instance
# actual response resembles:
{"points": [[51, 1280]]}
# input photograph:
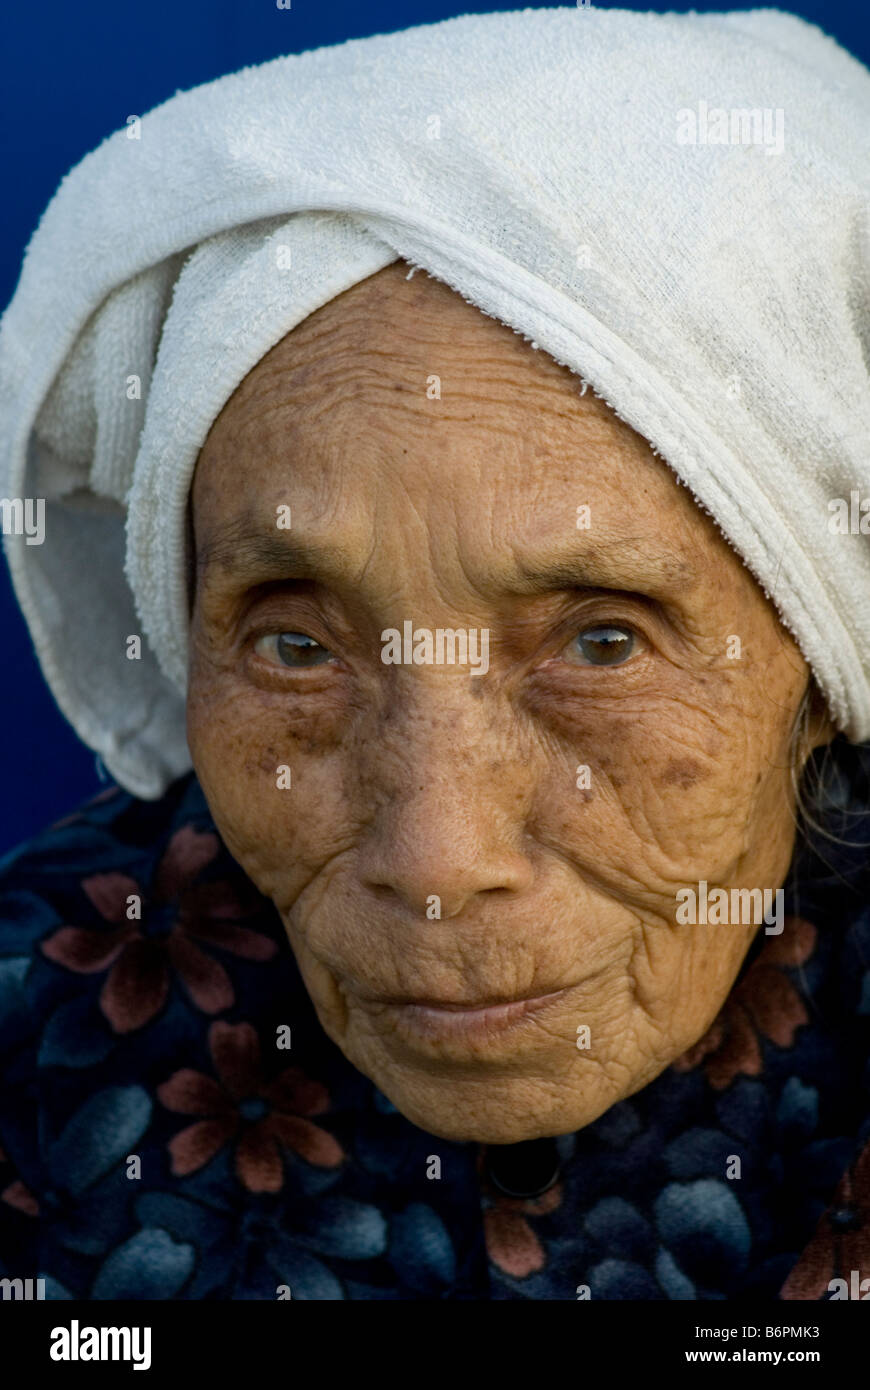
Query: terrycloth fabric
{"points": [[742, 1172], [716, 294]]}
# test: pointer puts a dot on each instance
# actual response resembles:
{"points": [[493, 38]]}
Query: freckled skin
{"points": [[411, 781]]}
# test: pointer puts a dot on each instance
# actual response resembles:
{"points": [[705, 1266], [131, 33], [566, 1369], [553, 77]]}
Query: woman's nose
{"points": [[451, 823]]}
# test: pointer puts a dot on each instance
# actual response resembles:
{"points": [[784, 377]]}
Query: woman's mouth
{"points": [[426, 1019]]}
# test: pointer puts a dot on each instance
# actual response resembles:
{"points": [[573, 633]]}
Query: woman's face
{"points": [[436, 841]]}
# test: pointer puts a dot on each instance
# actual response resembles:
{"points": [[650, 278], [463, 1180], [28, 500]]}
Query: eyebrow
{"points": [[249, 554], [629, 563]]}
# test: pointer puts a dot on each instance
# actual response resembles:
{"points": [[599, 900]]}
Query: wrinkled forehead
{"points": [[403, 331], [401, 411]]}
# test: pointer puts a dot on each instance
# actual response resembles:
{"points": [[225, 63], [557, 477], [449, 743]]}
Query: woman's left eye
{"points": [[293, 649], [605, 645]]}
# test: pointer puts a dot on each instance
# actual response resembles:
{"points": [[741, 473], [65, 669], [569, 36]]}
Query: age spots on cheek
{"points": [[683, 773]]}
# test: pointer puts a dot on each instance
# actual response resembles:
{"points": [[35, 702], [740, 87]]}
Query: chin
{"points": [[487, 1112]]}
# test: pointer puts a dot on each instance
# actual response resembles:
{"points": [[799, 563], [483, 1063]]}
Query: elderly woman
{"points": [[470, 919]]}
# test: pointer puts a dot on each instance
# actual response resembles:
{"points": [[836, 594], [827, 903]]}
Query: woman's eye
{"points": [[295, 649], [602, 646]]}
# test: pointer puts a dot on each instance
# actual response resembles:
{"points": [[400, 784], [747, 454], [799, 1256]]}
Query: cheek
{"points": [[659, 788], [272, 781]]}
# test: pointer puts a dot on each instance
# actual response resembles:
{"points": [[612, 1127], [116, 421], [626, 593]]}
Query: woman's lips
{"points": [[425, 1019]]}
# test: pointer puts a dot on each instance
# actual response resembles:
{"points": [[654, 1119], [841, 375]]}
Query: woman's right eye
{"points": [[294, 649], [606, 644]]}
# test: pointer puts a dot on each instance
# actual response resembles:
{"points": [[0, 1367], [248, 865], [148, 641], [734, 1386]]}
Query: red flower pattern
{"points": [[178, 914], [263, 1117], [511, 1242], [842, 1239], [765, 1004], [17, 1195]]}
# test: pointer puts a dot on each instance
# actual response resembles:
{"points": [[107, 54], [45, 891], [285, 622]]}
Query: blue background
{"points": [[71, 74]]}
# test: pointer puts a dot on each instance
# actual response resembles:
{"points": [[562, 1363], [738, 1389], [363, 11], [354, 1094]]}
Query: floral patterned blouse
{"points": [[160, 1139]]}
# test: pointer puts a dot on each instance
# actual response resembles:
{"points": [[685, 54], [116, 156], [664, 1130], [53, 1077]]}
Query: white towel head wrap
{"points": [[715, 293]]}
